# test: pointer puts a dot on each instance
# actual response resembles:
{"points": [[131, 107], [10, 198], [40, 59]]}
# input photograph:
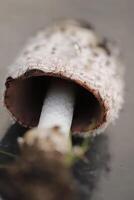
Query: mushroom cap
{"points": [[68, 50]]}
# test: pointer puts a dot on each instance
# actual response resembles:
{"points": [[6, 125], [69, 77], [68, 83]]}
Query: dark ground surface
{"points": [[108, 172], [86, 171]]}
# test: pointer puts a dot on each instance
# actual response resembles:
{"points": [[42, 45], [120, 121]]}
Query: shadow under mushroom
{"points": [[89, 170]]}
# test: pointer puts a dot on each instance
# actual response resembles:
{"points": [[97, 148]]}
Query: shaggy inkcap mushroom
{"points": [[66, 80], [70, 52]]}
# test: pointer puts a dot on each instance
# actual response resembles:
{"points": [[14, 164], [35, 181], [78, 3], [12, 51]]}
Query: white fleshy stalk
{"points": [[53, 131], [58, 107]]}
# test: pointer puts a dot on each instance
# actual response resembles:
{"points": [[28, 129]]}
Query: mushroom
{"points": [[67, 79], [68, 51]]}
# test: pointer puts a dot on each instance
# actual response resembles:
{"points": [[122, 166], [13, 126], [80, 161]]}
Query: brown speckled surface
{"points": [[113, 18]]}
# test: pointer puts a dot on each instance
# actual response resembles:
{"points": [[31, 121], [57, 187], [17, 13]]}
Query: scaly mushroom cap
{"points": [[67, 50]]}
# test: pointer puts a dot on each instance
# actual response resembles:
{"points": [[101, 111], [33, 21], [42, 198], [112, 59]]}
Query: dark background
{"points": [[109, 171]]}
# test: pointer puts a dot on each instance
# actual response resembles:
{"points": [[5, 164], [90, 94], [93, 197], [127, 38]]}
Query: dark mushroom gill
{"points": [[24, 97]]}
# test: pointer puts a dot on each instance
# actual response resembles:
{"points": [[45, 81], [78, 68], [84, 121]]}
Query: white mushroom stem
{"points": [[58, 107]]}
